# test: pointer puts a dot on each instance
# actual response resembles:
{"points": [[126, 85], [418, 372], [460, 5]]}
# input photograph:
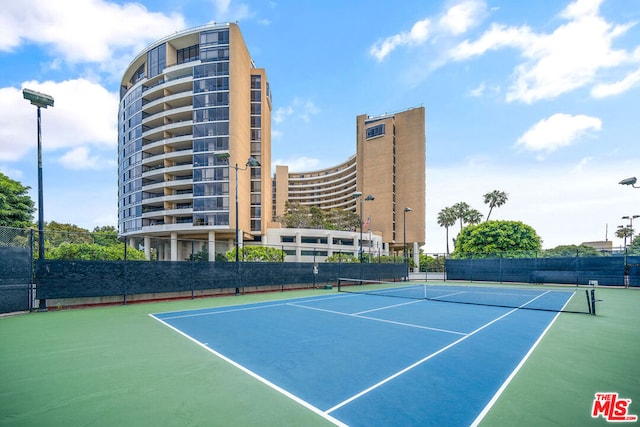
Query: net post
{"points": [[586, 292], [593, 302]]}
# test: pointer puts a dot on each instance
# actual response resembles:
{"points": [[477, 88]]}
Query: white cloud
{"points": [[226, 12], [84, 114], [557, 131], [478, 91], [281, 114], [456, 20], [417, 35], [80, 158], [83, 31], [459, 18], [568, 58], [298, 164], [302, 109], [630, 81], [497, 37]]}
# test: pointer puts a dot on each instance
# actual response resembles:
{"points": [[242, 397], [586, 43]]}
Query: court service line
{"points": [[424, 359], [387, 307], [410, 325], [256, 376], [245, 307]]}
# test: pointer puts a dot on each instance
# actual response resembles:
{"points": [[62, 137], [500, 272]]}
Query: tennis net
{"points": [[569, 300]]}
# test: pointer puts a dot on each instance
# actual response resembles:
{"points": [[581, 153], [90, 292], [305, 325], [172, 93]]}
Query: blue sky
{"points": [[535, 98]]}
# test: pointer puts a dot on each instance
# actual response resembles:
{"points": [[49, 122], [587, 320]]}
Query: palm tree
{"points": [[446, 218], [460, 210], [623, 232], [473, 216], [495, 199]]}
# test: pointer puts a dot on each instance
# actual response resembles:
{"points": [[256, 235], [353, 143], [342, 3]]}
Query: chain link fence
{"points": [[16, 279]]}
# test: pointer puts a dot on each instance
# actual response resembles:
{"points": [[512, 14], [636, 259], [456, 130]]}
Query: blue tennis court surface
{"points": [[364, 360]]}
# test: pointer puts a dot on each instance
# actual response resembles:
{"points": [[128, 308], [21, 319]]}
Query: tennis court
{"points": [[373, 359], [117, 365]]}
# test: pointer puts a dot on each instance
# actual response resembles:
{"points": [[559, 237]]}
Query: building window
{"points": [[375, 131], [188, 54], [156, 60], [138, 75], [211, 70]]}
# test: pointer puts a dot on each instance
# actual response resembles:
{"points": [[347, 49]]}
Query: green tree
{"points": [[634, 248], [201, 256], [106, 235], [56, 233], [342, 258], [431, 263], [257, 254], [473, 216], [16, 207], [495, 199], [446, 218], [572, 251], [92, 251], [507, 238], [623, 232]]}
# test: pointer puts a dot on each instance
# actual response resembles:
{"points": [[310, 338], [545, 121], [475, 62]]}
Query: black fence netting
{"points": [[601, 270], [80, 279]]}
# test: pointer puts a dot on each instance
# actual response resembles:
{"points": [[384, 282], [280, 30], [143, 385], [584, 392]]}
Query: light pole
{"points": [[404, 244], [631, 218], [630, 181], [358, 195], [39, 100], [251, 162]]}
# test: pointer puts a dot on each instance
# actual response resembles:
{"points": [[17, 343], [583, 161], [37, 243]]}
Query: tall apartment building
{"points": [[193, 109], [384, 177]]}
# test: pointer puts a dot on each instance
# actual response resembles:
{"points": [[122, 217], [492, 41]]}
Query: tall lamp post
{"points": [[631, 218], [40, 100], [404, 244], [251, 162], [358, 195]]}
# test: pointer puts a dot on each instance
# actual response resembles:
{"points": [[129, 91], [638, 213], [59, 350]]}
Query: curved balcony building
{"points": [[193, 109], [389, 166]]}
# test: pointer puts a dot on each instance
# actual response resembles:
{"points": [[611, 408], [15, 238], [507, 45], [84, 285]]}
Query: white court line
{"points": [[258, 377], [387, 307], [410, 325], [504, 385], [421, 361], [251, 306]]}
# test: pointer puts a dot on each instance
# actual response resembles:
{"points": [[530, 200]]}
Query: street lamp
{"points": [[39, 100], [631, 218], [251, 162], [630, 181], [404, 223], [358, 195]]}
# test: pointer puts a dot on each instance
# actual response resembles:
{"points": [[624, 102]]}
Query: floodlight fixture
{"points": [[38, 99], [630, 181], [252, 162]]}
